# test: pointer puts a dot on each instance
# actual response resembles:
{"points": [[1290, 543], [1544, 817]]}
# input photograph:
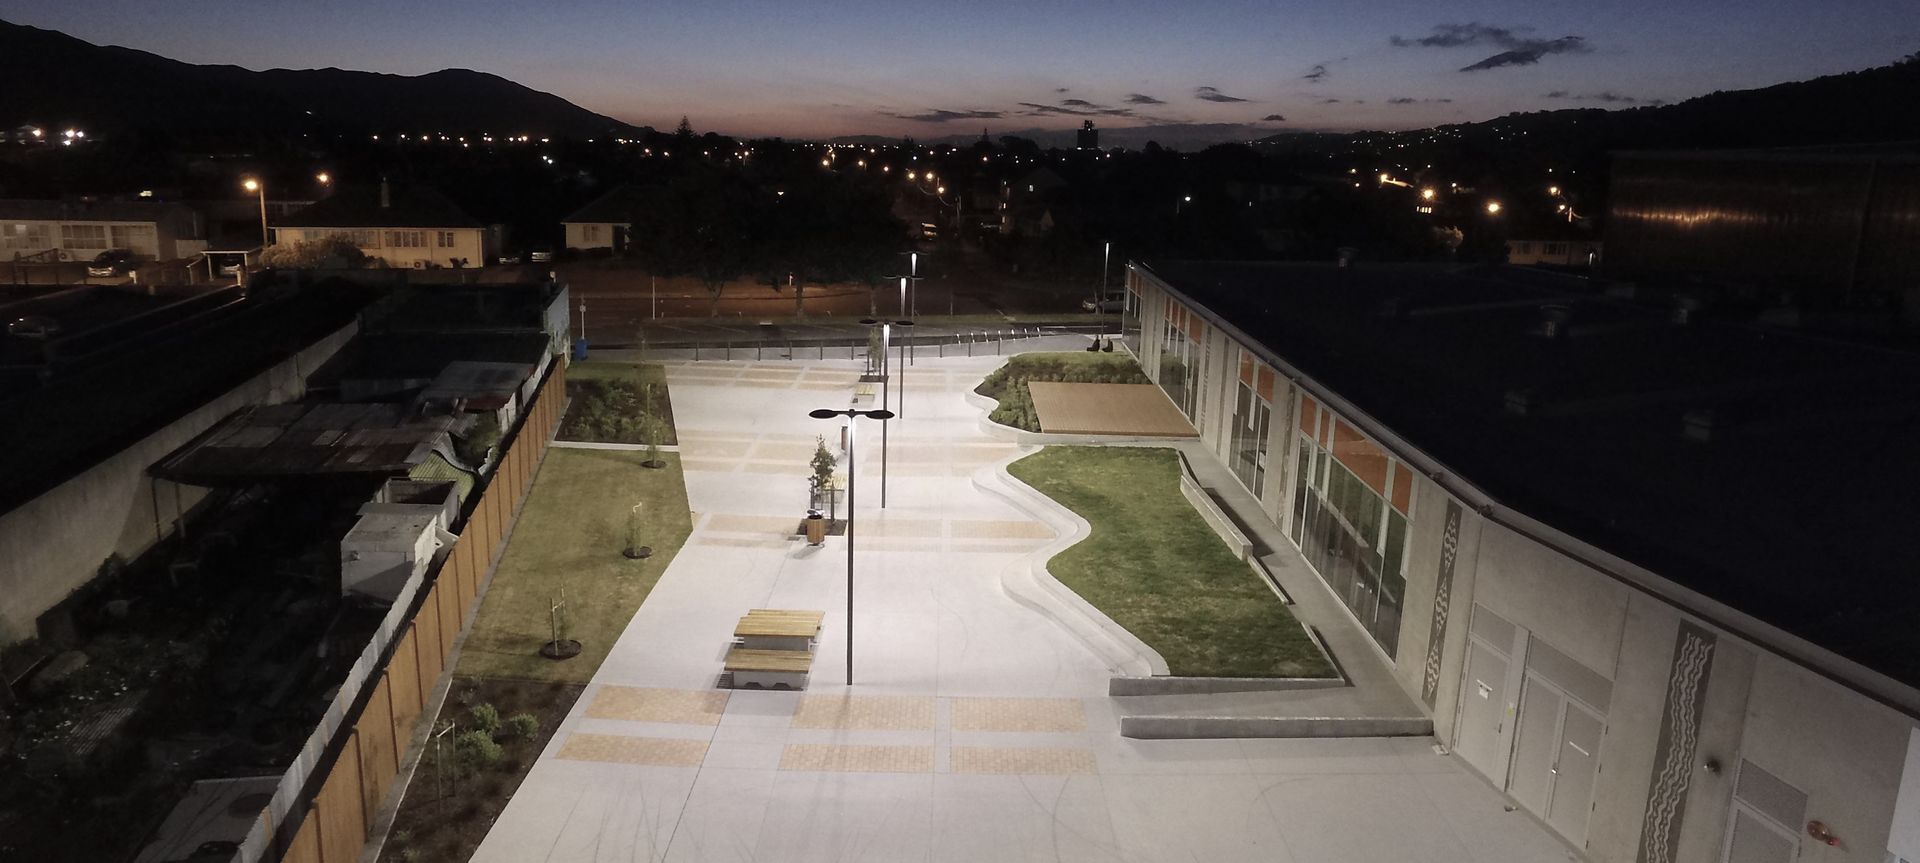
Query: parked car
{"points": [[1113, 303], [508, 258], [33, 327], [112, 262], [541, 254]]}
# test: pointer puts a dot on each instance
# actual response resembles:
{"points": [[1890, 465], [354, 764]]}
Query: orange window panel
{"points": [[1309, 415], [1246, 368], [1362, 456], [1265, 385], [1402, 489]]}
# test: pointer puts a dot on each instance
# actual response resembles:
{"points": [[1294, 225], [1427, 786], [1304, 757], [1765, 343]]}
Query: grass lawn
{"points": [[607, 404], [571, 536], [1155, 567]]}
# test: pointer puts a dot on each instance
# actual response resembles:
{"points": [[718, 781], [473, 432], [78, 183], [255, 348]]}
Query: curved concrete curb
{"points": [[1209, 685], [1028, 582], [1212, 727]]}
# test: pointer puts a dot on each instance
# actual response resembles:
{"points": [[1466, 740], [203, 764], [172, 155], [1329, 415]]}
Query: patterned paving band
{"points": [[620, 749], [834, 758], [1025, 761], [865, 712], [636, 704], [1018, 714]]}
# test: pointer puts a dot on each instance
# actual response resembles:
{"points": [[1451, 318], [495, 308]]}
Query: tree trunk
{"points": [[713, 297], [799, 297]]}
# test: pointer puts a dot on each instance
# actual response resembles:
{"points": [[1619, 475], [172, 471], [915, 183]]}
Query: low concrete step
{"points": [[1214, 727]]}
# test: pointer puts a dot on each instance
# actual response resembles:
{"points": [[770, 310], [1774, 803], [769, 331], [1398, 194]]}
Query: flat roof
{"points": [[285, 441], [80, 416], [1793, 510]]}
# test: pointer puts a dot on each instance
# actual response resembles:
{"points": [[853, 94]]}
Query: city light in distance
{"points": [[1493, 208]]}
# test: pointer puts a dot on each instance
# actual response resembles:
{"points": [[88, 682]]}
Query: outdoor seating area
{"points": [[773, 649]]}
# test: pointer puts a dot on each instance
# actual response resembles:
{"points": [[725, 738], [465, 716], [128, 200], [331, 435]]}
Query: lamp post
{"points": [[826, 414], [253, 185], [886, 379], [904, 327]]}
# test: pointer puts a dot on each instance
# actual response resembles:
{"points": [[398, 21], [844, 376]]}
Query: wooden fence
{"points": [[358, 763]]}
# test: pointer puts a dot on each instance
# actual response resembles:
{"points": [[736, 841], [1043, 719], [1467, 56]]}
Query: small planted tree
{"points": [[635, 550]]}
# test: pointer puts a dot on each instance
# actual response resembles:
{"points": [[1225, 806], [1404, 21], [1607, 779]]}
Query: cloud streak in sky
{"points": [[941, 115], [1142, 99], [1519, 49], [1213, 94], [1602, 96], [1317, 74]]}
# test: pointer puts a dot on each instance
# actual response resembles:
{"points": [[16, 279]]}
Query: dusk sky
{"points": [[816, 69]]}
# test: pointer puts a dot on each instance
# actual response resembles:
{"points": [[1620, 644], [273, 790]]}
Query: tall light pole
{"points": [[904, 327], [826, 414], [1106, 259], [886, 379], [253, 185]]}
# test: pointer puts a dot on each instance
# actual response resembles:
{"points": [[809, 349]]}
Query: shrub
{"points": [[474, 751], [485, 717], [523, 726]]}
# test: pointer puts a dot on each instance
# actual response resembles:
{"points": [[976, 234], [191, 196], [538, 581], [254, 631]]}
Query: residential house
{"points": [[415, 227]]}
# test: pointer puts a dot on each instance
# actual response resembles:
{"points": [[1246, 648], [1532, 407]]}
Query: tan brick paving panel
{"points": [[902, 527], [1019, 714], [641, 704], [991, 529], [1023, 760], [865, 712], [619, 749], [732, 523], [784, 451], [739, 542], [857, 759], [993, 547], [708, 465], [823, 387], [760, 385], [715, 448]]}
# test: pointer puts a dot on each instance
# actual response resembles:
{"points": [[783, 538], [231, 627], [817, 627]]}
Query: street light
{"points": [[904, 362], [1426, 194], [253, 185], [324, 178], [1493, 208], [826, 414]]}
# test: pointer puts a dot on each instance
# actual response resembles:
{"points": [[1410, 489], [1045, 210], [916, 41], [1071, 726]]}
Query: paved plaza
{"points": [[977, 728]]}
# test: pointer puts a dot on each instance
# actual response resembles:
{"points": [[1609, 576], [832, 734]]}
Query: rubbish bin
{"points": [[579, 349], [816, 528]]}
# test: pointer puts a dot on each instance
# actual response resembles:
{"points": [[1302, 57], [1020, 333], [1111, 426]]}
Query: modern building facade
{"points": [[79, 230], [1589, 538], [414, 228], [1554, 252]]}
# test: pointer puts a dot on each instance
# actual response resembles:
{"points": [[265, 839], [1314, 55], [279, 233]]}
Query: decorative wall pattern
{"points": [[1442, 602], [1679, 732]]}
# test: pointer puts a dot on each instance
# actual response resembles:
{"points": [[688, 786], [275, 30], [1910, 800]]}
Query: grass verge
{"points": [[570, 536], [1155, 567]]}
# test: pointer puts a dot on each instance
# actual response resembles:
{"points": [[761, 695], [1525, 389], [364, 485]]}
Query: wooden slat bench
{"points": [[768, 669], [778, 629]]}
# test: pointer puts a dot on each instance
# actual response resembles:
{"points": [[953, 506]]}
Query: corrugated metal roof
{"points": [[304, 440]]}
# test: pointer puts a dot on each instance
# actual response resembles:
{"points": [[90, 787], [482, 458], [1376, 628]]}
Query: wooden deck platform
{"points": [[1129, 410]]}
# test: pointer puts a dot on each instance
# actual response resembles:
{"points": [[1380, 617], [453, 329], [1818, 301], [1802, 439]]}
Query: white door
{"points": [[1483, 736], [1556, 758], [1573, 772]]}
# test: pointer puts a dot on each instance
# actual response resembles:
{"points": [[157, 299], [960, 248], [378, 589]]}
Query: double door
{"points": [[1520, 725]]}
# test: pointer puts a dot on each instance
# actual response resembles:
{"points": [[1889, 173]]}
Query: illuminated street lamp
{"points": [[253, 185], [826, 414], [1427, 194], [1493, 208]]}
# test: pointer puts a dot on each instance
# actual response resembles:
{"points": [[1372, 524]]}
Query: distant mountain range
{"points": [[111, 90], [1872, 106]]}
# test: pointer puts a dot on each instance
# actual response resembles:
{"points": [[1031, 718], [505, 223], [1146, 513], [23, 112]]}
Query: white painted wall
{"points": [[55, 543]]}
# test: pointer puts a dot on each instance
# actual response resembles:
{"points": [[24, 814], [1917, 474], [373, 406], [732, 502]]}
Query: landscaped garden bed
{"points": [[618, 403], [1153, 565], [1008, 384]]}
